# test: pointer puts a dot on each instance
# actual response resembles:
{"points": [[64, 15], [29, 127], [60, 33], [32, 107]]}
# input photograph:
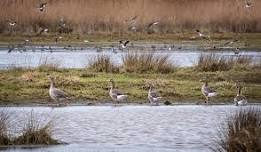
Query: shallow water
{"points": [[129, 128], [80, 58]]}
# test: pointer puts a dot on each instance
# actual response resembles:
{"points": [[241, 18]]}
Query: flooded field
{"points": [[80, 57], [128, 128]]}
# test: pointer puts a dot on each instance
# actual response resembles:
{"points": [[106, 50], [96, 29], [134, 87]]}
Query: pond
{"points": [[80, 57], [179, 128]]}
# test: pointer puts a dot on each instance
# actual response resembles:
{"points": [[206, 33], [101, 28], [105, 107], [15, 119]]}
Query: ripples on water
{"points": [[80, 58], [129, 128]]}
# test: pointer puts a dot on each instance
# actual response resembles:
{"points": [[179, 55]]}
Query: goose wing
{"points": [[59, 93]]}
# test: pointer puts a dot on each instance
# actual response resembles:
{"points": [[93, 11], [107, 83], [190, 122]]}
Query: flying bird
{"points": [[42, 6], [153, 24], [12, 24], [123, 45], [203, 36]]}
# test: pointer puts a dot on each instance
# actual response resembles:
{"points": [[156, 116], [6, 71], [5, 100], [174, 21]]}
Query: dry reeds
{"points": [[146, 63], [88, 16], [102, 63], [212, 62], [4, 137], [242, 132], [36, 134]]}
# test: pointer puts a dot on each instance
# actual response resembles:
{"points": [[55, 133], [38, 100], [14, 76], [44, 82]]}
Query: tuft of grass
{"points": [[212, 62], [146, 63], [242, 132], [4, 138], [45, 65], [34, 133], [102, 63]]}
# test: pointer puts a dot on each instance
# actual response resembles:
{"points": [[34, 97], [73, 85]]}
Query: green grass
{"points": [[246, 40], [83, 85]]}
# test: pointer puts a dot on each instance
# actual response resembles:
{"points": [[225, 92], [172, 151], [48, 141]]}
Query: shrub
{"points": [[102, 63]]}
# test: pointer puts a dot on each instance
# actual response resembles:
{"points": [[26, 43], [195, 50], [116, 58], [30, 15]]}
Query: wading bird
{"points": [[240, 100], [56, 95], [207, 91], [153, 96], [116, 94]]}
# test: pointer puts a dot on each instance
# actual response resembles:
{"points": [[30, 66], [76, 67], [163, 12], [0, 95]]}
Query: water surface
{"points": [[129, 128]]}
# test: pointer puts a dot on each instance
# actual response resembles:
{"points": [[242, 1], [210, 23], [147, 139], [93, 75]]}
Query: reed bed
{"points": [[99, 16], [241, 132], [4, 137], [33, 133], [102, 63], [212, 62], [146, 63]]}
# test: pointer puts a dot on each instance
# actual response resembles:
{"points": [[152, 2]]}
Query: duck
{"points": [[207, 91], [239, 99], [153, 96], [56, 94], [115, 94]]}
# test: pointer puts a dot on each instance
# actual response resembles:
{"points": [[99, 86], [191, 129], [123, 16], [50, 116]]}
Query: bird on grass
{"points": [[123, 45], [153, 96], [115, 94], [240, 100], [56, 94], [207, 91]]}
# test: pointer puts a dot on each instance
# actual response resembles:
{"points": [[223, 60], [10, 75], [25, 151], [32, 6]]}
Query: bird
{"points": [[10, 48], [42, 6], [56, 94], [116, 94], [12, 24], [123, 45], [239, 99], [153, 24], [203, 36], [230, 42], [207, 91], [236, 51], [248, 4], [153, 96]]}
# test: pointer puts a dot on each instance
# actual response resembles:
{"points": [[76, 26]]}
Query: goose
{"points": [[201, 35], [207, 91], [123, 45], [115, 94], [56, 94], [240, 100], [153, 96]]}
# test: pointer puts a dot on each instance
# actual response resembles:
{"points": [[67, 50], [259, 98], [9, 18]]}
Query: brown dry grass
{"points": [[102, 63], [146, 63], [88, 16], [242, 132]]}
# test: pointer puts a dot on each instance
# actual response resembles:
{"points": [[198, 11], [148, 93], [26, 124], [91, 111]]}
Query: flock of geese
{"points": [[154, 98]]}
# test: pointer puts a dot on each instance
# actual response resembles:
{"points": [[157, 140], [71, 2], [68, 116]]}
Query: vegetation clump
{"points": [[242, 132]]}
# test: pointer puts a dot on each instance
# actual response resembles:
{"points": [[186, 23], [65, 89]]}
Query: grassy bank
{"points": [[181, 85]]}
